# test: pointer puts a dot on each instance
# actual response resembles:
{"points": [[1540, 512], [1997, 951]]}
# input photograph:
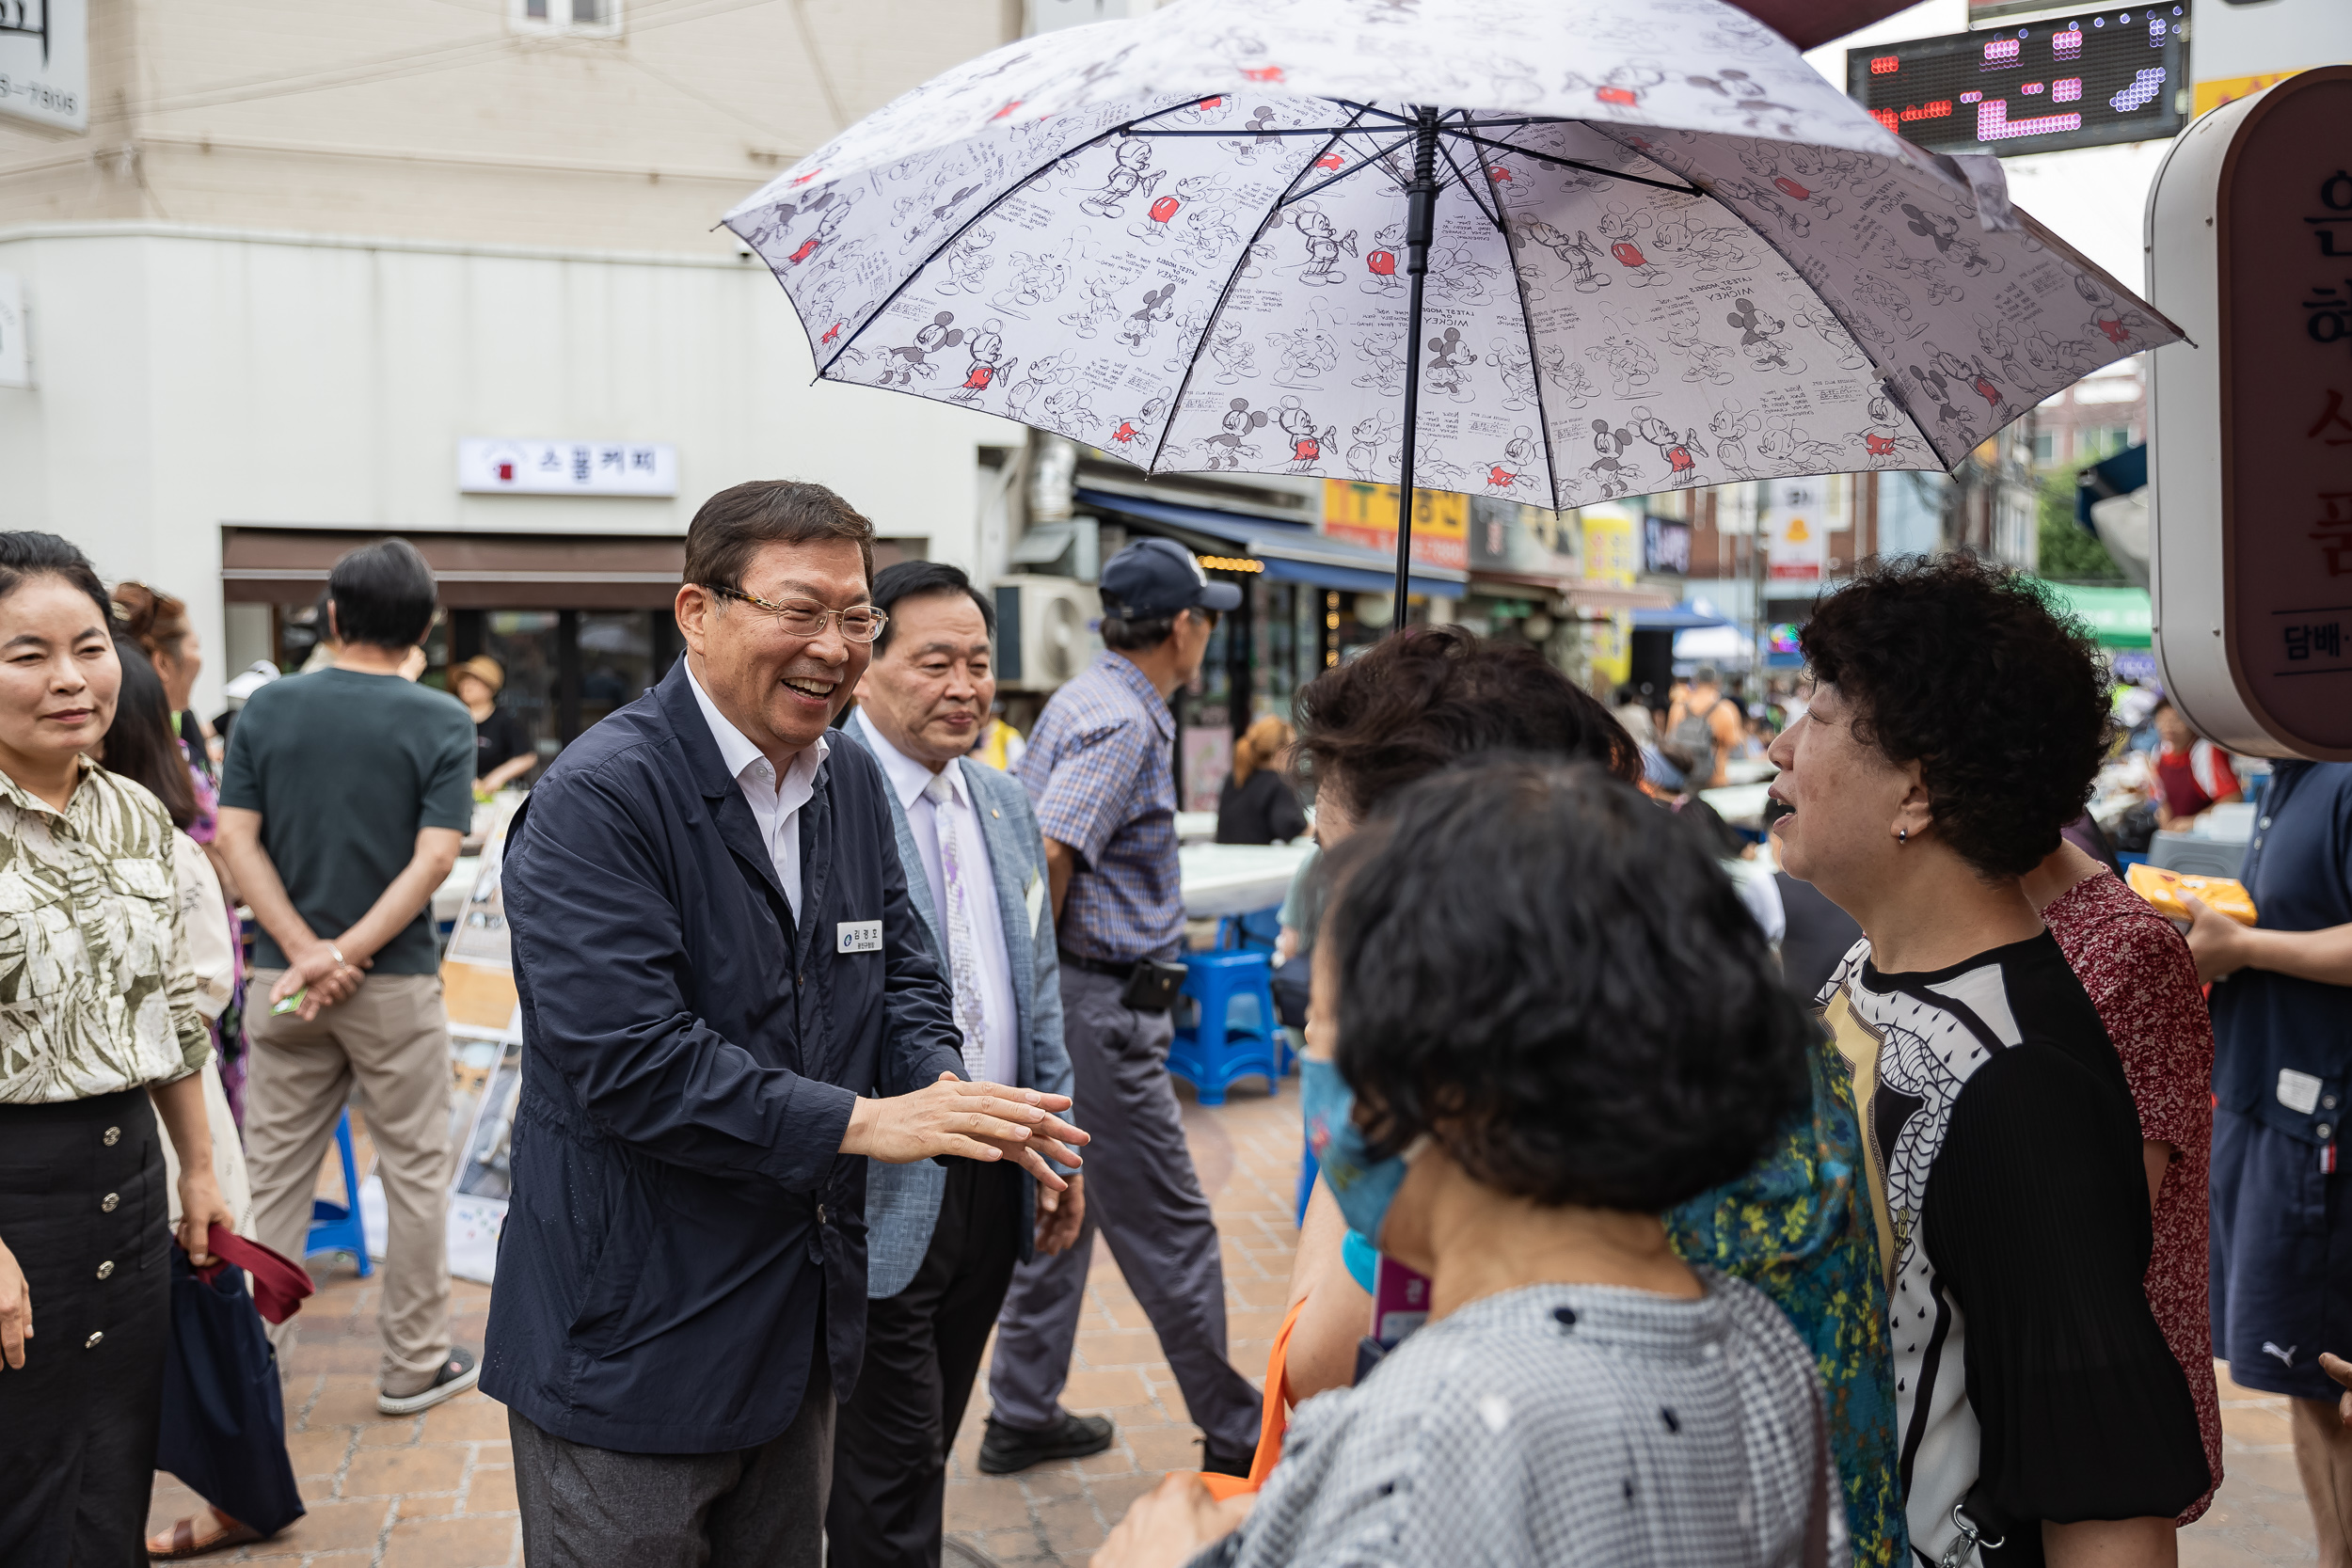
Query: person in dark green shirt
{"points": [[345, 797]]}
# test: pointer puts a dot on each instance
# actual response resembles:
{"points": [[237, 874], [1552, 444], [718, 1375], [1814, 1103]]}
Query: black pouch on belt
{"points": [[1152, 987]]}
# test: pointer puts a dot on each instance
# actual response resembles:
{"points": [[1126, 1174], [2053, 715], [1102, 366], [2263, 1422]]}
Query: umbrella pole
{"points": [[1421, 207]]}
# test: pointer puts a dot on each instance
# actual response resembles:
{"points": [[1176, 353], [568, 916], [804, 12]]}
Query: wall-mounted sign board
{"points": [[491, 466], [2250, 246], [44, 62], [2071, 81]]}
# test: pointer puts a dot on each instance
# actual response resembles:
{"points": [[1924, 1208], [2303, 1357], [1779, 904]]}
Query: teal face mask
{"points": [[1364, 1187]]}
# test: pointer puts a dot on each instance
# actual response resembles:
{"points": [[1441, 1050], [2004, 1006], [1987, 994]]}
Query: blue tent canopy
{"points": [[2120, 475], [1686, 616]]}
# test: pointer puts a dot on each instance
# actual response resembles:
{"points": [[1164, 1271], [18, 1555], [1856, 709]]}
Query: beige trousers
{"points": [[392, 1038]]}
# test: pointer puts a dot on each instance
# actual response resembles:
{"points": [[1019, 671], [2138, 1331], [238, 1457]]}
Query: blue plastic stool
{"points": [[1212, 1053], [1259, 928], [336, 1226]]}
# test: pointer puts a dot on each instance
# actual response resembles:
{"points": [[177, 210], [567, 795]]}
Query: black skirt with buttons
{"points": [[83, 1207]]}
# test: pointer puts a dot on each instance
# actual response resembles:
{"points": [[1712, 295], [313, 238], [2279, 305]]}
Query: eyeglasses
{"points": [[807, 618]]}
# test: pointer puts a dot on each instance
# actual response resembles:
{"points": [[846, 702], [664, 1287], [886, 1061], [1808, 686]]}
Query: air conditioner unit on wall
{"points": [[1044, 630]]}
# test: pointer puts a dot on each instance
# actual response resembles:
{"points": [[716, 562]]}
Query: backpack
{"points": [[1692, 736]]}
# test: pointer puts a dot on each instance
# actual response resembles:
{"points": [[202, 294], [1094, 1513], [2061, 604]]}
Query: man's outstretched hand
{"points": [[977, 1121]]}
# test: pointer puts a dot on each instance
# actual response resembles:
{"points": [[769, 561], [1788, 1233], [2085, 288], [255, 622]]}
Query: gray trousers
{"points": [[1144, 1195], [586, 1507]]}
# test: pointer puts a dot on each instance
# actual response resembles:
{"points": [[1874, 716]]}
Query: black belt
{"points": [[1099, 966], [1147, 985]]}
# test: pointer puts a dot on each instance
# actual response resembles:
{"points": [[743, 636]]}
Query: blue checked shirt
{"points": [[1098, 771]]}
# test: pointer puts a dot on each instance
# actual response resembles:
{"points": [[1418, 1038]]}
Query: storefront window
{"points": [[527, 646], [566, 669], [1204, 714], [1290, 645]]}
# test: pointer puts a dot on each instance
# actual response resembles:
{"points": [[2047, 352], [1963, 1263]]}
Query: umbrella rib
{"points": [[1685, 189], [1357, 167], [1361, 109], [1535, 370], [1176, 404], [985, 208], [1492, 215], [1242, 135]]}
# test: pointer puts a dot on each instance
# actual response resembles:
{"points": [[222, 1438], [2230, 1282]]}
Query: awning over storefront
{"points": [[1520, 585], [1292, 552], [2118, 617], [1687, 616], [1592, 597], [476, 571]]}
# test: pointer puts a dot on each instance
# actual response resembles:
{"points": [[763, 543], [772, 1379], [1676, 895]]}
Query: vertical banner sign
{"points": [[2249, 229], [44, 62], [1366, 514], [1612, 551], [1796, 533]]}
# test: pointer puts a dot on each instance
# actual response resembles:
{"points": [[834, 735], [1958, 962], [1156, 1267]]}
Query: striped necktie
{"points": [[963, 957]]}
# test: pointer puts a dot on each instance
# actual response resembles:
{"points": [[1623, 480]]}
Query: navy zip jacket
{"points": [[683, 1226]]}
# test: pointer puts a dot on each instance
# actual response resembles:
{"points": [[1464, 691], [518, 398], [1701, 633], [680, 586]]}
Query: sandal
{"points": [[181, 1541]]}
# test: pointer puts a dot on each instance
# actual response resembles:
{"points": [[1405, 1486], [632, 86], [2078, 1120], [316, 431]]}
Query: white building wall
{"points": [[187, 378]]}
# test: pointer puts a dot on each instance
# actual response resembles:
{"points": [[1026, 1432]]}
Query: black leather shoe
{"points": [[1227, 1462], [1005, 1449]]}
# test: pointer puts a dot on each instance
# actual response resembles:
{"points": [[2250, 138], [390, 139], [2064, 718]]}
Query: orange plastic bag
{"points": [[2162, 889], [1271, 1425]]}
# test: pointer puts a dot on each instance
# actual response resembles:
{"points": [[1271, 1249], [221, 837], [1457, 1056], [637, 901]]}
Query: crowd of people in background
{"points": [[1746, 1237]]}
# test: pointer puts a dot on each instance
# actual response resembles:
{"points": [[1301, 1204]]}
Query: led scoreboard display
{"points": [[2078, 81]]}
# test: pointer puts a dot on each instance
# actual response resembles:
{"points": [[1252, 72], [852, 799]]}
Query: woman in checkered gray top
{"points": [[1552, 1021]]}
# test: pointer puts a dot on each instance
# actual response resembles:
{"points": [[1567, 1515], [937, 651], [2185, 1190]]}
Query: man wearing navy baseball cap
{"points": [[1098, 771]]}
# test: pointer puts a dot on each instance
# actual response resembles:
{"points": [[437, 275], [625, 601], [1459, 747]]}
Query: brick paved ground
{"points": [[437, 1491]]}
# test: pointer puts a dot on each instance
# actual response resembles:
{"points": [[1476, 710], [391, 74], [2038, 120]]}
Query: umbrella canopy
{"points": [[1555, 253]]}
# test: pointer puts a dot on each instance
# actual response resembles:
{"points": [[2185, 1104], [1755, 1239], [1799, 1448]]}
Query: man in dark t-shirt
{"points": [[345, 794], [2282, 1069]]}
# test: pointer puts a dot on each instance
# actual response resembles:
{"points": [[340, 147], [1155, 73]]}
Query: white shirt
{"points": [[1001, 1047], [775, 803], [204, 915]]}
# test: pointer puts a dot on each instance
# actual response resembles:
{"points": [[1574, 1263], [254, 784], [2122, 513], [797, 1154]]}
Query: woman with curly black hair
{"points": [[1413, 704], [1550, 1018], [1955, 732]]}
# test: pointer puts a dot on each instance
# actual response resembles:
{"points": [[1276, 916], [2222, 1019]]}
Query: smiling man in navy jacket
{"points": [[727, 1007]]}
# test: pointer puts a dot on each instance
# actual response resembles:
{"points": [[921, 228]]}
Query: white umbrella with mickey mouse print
{"points": [[1559, 251]]}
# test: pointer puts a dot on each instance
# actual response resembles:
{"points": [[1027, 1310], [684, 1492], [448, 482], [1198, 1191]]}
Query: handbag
{"points": [[223, 1429]]}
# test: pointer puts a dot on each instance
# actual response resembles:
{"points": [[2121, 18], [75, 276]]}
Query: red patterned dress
{"points": [[2140, 977]]}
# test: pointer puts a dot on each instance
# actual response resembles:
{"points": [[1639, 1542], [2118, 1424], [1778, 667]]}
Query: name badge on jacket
{"points": [[859, 936]]}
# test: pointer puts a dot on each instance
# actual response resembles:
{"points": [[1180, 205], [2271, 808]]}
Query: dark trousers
{"points": [[1144, 1195], [923, 1349], [84, 1208], [586, 1507]]}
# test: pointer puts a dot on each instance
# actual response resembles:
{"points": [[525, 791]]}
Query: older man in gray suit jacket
{"points": [[943, 1236]]}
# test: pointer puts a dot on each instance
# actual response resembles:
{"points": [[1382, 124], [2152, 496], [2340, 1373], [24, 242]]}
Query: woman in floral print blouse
{"points": [[98, 1017]]}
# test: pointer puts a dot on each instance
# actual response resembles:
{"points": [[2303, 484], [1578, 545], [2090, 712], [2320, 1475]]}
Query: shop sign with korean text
{"points": [[2249, 233], [1796, 530], [1365, 515], [44, 62], [1613, 544], [488, 466]]}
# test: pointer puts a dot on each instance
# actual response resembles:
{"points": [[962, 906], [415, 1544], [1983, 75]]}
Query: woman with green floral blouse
{"points": [[98, 1017]]}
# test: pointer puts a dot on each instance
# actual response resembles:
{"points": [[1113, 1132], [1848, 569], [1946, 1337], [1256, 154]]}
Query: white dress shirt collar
{"points": [[775, 803], [736, 749], [908, 778]]}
